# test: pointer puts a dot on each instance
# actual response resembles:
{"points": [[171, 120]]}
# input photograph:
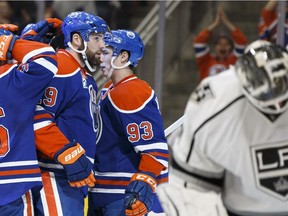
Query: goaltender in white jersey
{"points": [[235, 139]]}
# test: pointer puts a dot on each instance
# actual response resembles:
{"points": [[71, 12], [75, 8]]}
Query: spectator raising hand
{"points": [[227, 47], [268, 23]]}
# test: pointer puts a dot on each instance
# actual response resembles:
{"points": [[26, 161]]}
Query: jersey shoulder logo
{"points": [[24, 68], [202, 92]]}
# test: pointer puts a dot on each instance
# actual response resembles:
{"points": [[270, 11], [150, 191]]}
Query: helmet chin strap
{"points": [[84, 56], [115, 67], [120, 67]]}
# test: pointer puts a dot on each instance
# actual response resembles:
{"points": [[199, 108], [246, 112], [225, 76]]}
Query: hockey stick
{"points": [[174, 126]]}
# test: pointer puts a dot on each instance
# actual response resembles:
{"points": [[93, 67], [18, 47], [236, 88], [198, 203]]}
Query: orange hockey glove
{"points": [[78, 168], [9, 27], [139, 194], [7, 40]]}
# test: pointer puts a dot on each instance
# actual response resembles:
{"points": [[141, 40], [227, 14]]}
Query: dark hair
{"points": [[223, 35]]}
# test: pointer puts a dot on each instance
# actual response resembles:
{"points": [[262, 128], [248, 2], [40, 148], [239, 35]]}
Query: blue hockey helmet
{"points": [[127, 40], [83, 23]]}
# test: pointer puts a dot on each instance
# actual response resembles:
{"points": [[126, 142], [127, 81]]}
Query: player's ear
{"points": [[76, 40], [124, 57]]}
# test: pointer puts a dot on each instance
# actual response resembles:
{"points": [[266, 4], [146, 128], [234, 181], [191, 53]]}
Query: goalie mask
{"points": [[263, 73]]}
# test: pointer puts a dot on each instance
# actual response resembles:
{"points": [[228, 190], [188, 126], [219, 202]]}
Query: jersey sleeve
{"points": [[267, 24], [240, 42], [202, 51], [48, 137], [57, 96], [64, 87], [25, 51], [268, 16], [201, 46], [37, 64], [199, 160], [195, 143], [190, 149]]}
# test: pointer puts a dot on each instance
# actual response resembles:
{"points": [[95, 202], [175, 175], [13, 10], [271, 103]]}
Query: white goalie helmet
{"points": [[263, 73]]}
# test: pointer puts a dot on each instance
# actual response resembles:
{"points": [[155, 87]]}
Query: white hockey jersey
{"points": [[225, 137]]}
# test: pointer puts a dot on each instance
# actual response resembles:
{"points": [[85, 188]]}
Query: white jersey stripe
{"points": [[104, 190], [19, 163], [37, 52], [17, 180]]}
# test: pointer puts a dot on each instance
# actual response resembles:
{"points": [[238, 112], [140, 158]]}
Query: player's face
{"points": [[223, 48], [94, 47], [105, 59]]}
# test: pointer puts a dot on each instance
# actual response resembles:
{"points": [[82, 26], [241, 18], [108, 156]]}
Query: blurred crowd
{"points": [[216, 50], [23, 12]]}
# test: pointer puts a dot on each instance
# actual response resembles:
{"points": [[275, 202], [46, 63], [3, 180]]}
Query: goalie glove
{"points": [[139, 194], [43, 31], [78, 168], [7, 41]]}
